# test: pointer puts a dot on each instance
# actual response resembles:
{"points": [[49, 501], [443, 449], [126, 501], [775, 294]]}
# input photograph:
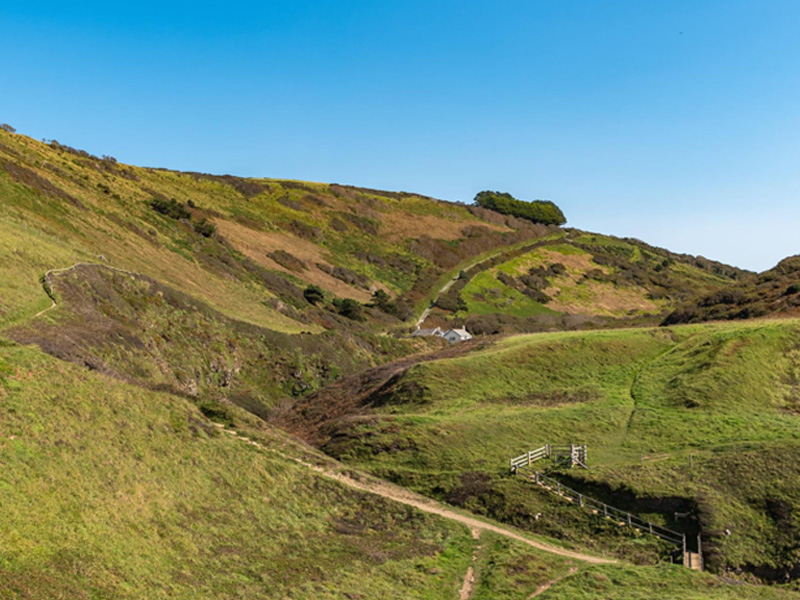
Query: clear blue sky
{"points": [[675, 122]]}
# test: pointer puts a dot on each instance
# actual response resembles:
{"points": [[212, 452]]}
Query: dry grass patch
{"points": [[397, 227], [258, 244]]}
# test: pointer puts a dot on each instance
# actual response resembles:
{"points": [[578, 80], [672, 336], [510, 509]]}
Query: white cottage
{"points": [[457, 335]]}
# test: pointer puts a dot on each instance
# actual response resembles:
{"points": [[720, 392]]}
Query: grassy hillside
{"points": [[578, 280], [113, 491], [644, 400], [146, 310], [247, 247]]}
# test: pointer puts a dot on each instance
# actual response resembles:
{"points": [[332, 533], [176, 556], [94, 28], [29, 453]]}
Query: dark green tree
{"points": [[537, 211]]}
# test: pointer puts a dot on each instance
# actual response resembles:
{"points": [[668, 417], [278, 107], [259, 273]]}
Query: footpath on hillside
{"points": [[404, 496]]}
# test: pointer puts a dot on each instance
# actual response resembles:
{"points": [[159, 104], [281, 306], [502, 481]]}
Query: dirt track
{"points": [[404, 496]]}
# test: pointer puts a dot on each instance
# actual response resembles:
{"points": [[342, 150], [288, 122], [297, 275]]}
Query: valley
{"points": [[208, 389]]}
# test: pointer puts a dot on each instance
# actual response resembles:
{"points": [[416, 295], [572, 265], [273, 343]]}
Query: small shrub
{"points": [[381, 301], [7, 127], [314, 294], [205, 228], [792, 289]]}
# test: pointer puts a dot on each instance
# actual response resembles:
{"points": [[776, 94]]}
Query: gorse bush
{"points": [[314, 294], [538, 211], [170, 208], [347, 307]]}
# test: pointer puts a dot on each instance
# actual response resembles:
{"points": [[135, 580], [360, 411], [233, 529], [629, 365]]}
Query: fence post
{"points": [[547, 450], [684, 551], [630, 524], [700, 552], [580, 499], [558, 488], [605, 510]]}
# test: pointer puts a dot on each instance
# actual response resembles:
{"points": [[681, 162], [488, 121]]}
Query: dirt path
{"points": [[404, 496], [428, 310], [469, 579], [546, 586], [48, 286]]}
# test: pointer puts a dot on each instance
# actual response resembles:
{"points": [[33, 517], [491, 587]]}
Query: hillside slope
{"points": [[144, 310], [113, 491], [245, 246], [775, 293], [644, 400], [578, 280]]}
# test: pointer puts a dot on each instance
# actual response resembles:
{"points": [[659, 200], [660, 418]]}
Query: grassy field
{"points": [[698, 418], [109, 491]]}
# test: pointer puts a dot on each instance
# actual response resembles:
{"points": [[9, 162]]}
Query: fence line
{"points": [[575, 455], [621, 516]]}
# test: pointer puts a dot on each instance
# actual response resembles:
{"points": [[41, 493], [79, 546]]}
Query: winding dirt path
{"points": [[404, 496]]}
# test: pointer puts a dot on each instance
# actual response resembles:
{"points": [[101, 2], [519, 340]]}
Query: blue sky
{"points": [[675, 122]]}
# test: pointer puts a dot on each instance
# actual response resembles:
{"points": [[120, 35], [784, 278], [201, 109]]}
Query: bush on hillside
{"points": [[347, 307], [205, 227], [381, 301], [792, 289], [7, 127], [314, 294], [537, 211], [170, 208], [287, 260]]}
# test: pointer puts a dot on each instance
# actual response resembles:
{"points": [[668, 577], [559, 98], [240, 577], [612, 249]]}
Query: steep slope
{"points": [[110, 491], [247, 247], [775, 292], [644, 400]]}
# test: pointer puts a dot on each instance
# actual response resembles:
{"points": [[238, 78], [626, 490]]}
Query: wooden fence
{"points": [[573, 455], [601, 508]]}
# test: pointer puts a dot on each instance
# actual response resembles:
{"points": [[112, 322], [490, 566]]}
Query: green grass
{"points": [[644, 400], [664, 583], [485, 294], [109, 491]]}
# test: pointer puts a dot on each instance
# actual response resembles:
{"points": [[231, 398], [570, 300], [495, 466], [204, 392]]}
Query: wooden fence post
{"points": [[700, 552], [684, 550]]}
